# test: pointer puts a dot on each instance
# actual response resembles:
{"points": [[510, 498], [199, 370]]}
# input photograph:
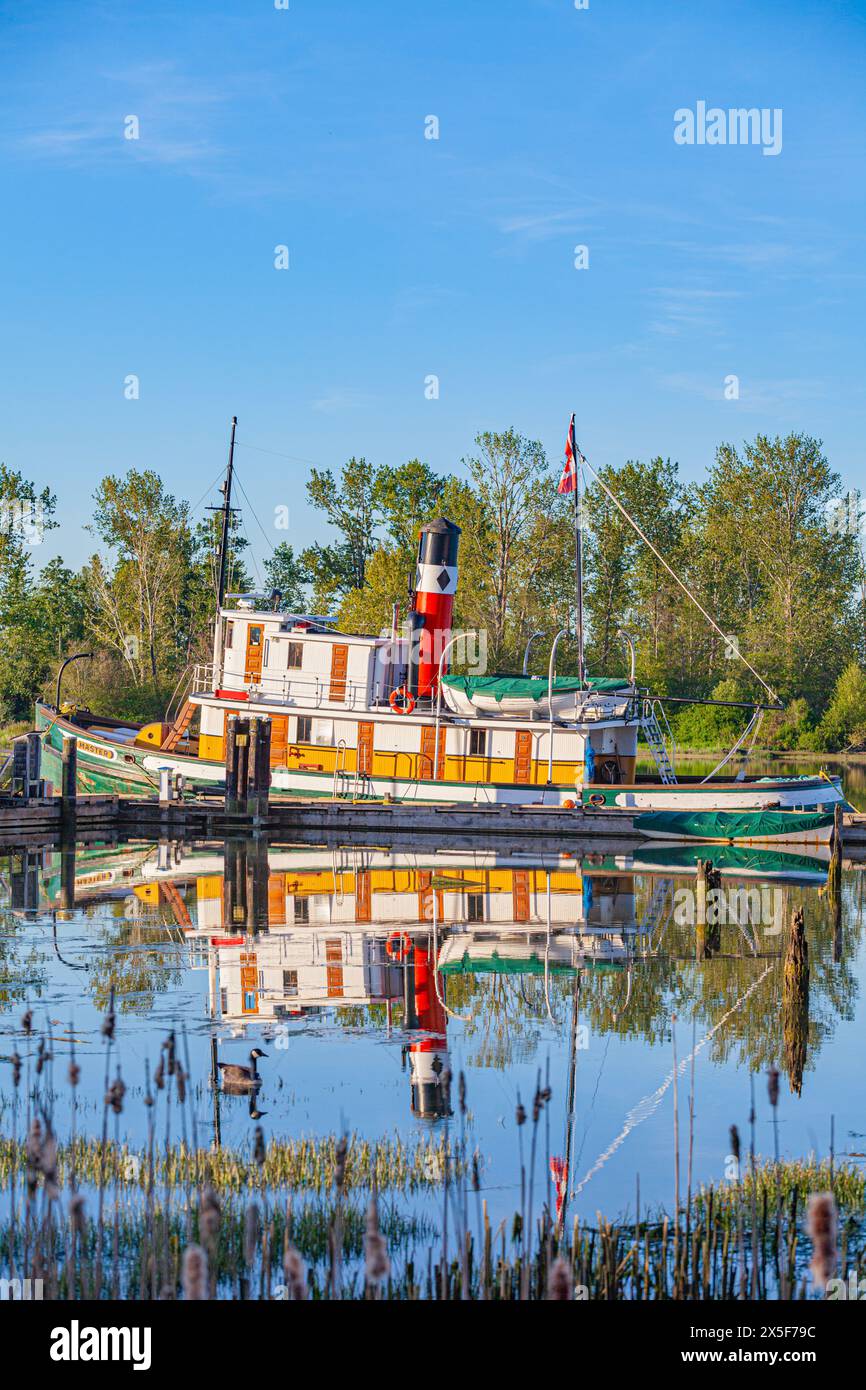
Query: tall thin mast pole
{"points": [[578, 557], [227, 516], [226, 510]]}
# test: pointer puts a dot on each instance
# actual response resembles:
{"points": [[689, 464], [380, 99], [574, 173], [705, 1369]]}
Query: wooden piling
{"points": [[259, 778], [69, 785], [234, 886], [242, 763], [795, 1001], [258, 873], [231, 761]]}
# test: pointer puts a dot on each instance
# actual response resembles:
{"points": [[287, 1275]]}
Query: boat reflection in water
{"points": [[289, 934]]}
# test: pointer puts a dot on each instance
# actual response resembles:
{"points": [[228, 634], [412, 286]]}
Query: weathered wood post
{"points": [[707, 932], [260, 768], [242, 761], [69, 786], [795, 1001], [251, 802], [231, 760], [34, 785]]}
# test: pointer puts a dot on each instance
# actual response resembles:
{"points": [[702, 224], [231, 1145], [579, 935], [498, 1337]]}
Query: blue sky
{"points": [[411, 257]]}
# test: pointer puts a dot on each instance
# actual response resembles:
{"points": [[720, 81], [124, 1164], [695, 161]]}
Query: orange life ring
{"points": [[401, 701], [398, 945]]}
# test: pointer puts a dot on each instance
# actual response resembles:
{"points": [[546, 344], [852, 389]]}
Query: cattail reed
{"points": [[194, 1275], [821, 1225], [559, 1283]]}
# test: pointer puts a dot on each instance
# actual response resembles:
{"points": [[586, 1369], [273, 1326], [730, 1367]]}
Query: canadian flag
{"points": [[568, 481], [559, 1174]]}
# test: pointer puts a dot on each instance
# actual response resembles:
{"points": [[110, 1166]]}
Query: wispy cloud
{"points": [[341, 398], [686, 307]]}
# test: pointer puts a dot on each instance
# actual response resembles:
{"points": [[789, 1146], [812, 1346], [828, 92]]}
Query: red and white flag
{"points": [[568, 481]]}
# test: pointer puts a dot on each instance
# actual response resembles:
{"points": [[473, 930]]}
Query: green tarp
{"points": [[518, 965], [734, 825], [530, 687]]}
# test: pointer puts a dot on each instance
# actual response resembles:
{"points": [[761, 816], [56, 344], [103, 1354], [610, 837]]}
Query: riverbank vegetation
{"points": [[766, 540]]}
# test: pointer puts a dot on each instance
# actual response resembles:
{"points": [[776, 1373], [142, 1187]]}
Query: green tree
{"points": [[285, 571]]}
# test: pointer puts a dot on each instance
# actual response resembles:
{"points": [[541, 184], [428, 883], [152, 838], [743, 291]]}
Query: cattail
{"points": [[159, 1074], [821, 1225], [252, 1231], [48, 1164], [735, 1144], [27, 1022], [295, 1272], [180, 1079], [773, 1086], [42, 1056], [340, 1165], [461, 1093], [114, 1096], [476, 1172], [76, 1213], [110, 1019], [376, 1262], [520, 1115], [74, 1073], [194, 1273], [559, 1285], [209, 1215], [16, 1068], [33, 1155], [259, 1153], [169, 1045]]}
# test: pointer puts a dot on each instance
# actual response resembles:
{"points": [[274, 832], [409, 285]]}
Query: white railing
{"points": [[309, 692]]}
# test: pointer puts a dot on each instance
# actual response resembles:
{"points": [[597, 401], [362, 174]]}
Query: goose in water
{"points": [[238, 1078]]}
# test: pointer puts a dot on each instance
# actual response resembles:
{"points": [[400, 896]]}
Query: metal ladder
{"points": [[654, 737]]}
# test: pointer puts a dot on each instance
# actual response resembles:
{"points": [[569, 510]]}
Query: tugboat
{"points": [[381, 717]]}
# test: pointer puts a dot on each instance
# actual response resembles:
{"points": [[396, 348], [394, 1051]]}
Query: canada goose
{"points": [[238, 1078]]}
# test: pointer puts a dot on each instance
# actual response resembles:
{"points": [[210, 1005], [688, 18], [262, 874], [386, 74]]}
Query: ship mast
{"points": [[226, 510], [576, 456]]}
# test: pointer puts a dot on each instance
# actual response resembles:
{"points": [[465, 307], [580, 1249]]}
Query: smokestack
{"points": [[435, 586]]}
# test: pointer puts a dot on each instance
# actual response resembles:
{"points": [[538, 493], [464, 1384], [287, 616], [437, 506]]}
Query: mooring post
{"points": [[34, 764], [231, 760], [242, 763], [69, 785], [251, 804]]}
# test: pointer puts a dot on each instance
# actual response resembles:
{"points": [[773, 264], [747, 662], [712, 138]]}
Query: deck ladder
{"points": [[657, 742], [178, 728]]}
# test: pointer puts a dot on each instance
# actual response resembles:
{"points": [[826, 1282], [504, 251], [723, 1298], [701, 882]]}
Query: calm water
{"points": [[366, 974]]}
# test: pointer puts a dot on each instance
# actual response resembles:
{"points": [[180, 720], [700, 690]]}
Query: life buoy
{"points": [[596, 799], [398, 945], [401, 701]]}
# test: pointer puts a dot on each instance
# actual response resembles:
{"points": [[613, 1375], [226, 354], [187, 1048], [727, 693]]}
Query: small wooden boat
{"points": [[738, 827]]}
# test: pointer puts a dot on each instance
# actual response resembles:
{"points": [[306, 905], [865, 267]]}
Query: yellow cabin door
{"points": [[279, 740], [339, 667], [277, 900], [523, 756], [428, 749], [254, 652], [365, 748]]}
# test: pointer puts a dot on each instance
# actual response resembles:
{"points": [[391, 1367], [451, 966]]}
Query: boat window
{"points": [[255, 637], [290, 980], [294, 656], [477, 743], [305, 728], [475, 907], [302, 909], [267, 657], [230, 632]]}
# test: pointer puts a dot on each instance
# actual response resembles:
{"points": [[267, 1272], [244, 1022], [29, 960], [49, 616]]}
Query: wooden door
{"points": [[334, 972], [254, 652], [279, 740], [523, 756], [339, 666], [520, 895], [365, 748], [428, 749]]}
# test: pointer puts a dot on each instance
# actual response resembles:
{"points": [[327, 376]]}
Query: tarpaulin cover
{"points": [[530, 687], [733, 825]]}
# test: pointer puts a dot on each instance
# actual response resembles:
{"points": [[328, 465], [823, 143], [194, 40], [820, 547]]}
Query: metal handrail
{"points": [[563, 632]]}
